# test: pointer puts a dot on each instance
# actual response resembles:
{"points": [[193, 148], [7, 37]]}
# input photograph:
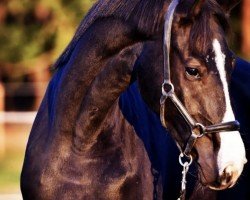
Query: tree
{"points": [[36, 29]]}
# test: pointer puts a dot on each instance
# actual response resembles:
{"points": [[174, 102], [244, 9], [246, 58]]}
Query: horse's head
{"points": [[201, 66]]}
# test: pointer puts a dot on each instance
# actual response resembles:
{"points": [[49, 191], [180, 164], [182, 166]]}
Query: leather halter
{"points": [[197, 130]]}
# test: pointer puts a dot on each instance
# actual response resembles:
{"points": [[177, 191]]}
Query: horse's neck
{"points": [[97, 72], [82, 105]]}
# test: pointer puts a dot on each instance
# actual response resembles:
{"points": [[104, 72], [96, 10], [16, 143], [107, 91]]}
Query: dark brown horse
{"points": [[81, 146]]}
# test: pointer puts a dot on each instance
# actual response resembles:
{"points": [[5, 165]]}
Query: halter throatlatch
{"points": [[197, 130]]}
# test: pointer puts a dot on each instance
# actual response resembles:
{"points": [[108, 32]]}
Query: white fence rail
{"points": [[14, 118], [17, 117], [11, 197]]}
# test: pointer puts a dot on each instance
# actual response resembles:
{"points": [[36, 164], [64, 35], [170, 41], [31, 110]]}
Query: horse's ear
{"points": [[190, 10], [228, 5], [196, 7]]}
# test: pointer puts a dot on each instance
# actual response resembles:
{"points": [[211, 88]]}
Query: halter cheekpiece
{"points": [[197, 130]]}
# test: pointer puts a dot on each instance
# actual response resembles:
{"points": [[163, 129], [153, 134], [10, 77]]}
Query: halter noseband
{"points": [[197, 130]]}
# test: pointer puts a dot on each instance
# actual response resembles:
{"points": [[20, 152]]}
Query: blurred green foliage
{"points": [[10, 170], [31, 28]]}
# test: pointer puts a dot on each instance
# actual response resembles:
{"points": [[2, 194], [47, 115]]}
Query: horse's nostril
{"points": [[227, 176]]}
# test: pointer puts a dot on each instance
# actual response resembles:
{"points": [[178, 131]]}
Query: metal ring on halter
{"points": [[185, 163], [202, 128], [171, 88]]}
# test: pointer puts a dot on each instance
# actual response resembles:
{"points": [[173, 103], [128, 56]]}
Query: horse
{"points": [[82, 147]]}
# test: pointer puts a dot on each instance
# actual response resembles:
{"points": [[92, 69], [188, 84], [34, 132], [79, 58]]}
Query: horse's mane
{"points": [[146, 14]]}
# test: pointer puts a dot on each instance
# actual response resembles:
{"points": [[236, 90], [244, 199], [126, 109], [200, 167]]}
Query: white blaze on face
{"points": [[232, 151]]}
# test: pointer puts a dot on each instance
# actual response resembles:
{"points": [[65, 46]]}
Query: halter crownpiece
{"points": [[197, 130]]}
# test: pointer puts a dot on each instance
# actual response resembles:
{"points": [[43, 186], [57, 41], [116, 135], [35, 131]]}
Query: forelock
{"points": [[202, 33]]}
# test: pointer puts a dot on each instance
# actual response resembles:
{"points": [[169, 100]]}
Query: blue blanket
{"points": [[162, 150]]}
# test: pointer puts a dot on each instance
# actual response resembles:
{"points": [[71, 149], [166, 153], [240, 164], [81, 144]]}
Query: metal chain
{"points": [[185, 166]]}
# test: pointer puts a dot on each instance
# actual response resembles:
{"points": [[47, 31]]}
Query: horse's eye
{"points": [[193, 72]]}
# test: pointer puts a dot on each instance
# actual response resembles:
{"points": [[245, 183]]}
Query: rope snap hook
{"points": [[185, 166]]}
